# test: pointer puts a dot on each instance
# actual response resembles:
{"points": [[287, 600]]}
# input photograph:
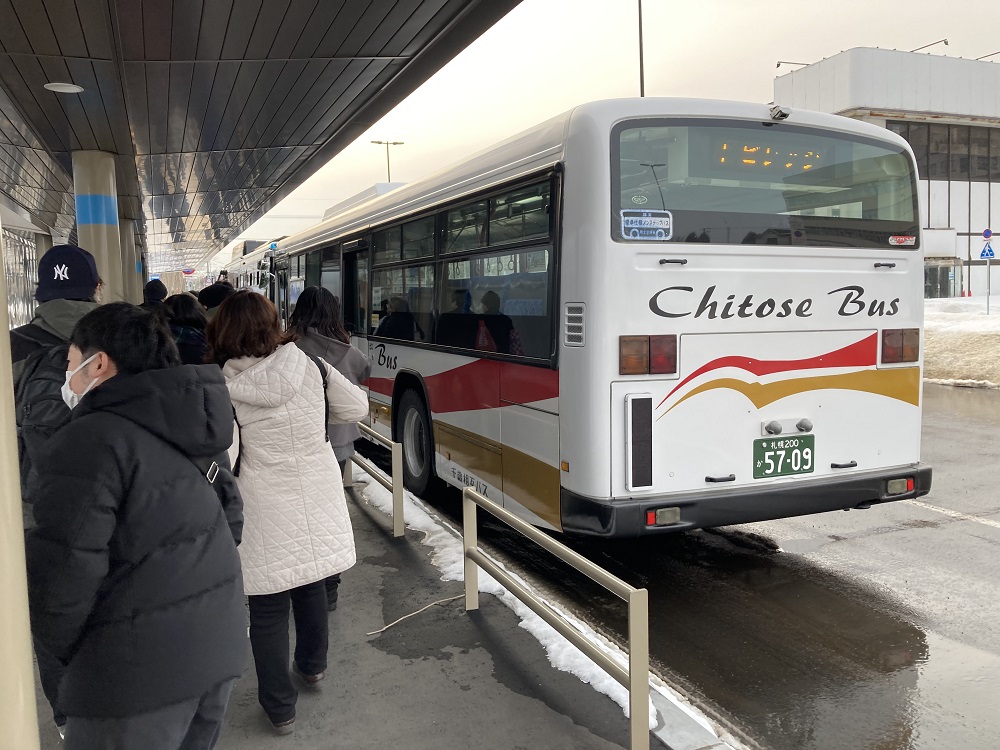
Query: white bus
{"points": [[645, 316]]}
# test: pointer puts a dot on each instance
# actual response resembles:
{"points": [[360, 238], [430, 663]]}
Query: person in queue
{"points": [[214, 295], [317, 324], [153, 295], [187, 322], [298, 532], [68, 285], [134, 577]]}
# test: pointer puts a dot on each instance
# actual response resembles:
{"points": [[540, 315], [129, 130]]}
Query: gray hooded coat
{"points": [[350, 362]]}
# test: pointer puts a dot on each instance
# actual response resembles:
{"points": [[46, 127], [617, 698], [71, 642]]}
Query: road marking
{"points": [[954, 514]]}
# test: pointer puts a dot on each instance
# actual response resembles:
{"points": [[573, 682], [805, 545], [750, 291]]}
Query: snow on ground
{"points": [[449, 557], [962, 342]]}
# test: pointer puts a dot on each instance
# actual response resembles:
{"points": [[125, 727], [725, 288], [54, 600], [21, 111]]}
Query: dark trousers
{"points": [[269, 641], [192, 725], [50, 671]]}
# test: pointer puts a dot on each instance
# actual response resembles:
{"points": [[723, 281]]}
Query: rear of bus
{"points": [[750, 292]]}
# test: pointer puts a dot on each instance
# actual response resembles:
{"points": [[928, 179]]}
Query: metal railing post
{"points": [[638, 668], [349, 472], [398, 528], [470, 541], [636, 678]]}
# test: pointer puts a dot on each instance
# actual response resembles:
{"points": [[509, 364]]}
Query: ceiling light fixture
{"points": [[64, 88]]}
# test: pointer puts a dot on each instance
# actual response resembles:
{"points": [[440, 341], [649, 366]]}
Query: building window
{"points": [[937, 156], [979, 154], [918, 136], [994, 154], [959, 153]]}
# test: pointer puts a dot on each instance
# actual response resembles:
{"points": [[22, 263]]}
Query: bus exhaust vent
{"points": [[573, 324]]}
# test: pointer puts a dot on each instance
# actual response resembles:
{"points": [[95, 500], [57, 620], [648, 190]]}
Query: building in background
{"points": [[948, 109]]}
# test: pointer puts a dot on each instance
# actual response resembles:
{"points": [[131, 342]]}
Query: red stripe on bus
{"points": [[483, 384], [859, 354]]}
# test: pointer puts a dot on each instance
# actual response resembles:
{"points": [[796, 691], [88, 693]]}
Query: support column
{"points": [[131, 263], [18, 715], [42, 244], [97, 216]]}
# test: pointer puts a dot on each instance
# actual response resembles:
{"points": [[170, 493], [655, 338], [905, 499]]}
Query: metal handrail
{"points": [[636, 678], [394, 484]]}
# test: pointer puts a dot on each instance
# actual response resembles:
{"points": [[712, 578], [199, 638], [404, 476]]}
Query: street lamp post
{"points": [[642, 72], [388, 173], [939, 41]]}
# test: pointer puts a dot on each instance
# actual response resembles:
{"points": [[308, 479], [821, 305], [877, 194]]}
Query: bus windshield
{"points": [[741, 182]]}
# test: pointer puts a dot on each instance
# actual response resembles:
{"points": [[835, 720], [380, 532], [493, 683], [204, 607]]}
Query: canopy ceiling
{"points": [[216, 109]]}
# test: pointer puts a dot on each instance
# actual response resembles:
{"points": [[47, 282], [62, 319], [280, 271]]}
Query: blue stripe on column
{"points": [[138, 266], [96, 209]]}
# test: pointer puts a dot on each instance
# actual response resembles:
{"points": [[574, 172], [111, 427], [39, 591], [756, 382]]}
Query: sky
{"points": [[547, 56]]}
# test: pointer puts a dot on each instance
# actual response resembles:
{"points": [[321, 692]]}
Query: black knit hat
{"points": [[66, 272], [214, 295], [154, 291]]}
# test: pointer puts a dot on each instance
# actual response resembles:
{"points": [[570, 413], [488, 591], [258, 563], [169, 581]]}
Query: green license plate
{"points": [[784, 456]]}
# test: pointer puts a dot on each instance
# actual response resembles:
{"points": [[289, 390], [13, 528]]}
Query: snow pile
{"points": [[961, 342], [449, 557]]}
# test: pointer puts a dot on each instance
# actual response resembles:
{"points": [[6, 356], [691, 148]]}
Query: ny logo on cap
{"points": [[62, 273]]}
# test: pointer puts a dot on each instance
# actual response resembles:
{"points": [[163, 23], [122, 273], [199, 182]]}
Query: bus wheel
{"points": [[413, 430]]}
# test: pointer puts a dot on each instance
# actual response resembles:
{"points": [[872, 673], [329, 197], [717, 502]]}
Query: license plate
{"points": [[784, 456]]}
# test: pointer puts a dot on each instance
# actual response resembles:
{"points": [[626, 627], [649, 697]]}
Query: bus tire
{"points": [[413, 430]]}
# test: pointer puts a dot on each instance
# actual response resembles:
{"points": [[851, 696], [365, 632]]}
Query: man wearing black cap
{"points": [[153, 295], [67, 283]]}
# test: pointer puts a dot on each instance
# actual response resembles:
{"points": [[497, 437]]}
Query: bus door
{"points": [[354, 293], [281, 289]]}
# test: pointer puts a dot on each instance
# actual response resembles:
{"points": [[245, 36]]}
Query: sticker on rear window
{"points": [[647, 224], [898, 240]]}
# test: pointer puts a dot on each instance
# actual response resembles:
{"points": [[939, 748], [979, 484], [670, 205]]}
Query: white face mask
{"points": [[71, 398]]}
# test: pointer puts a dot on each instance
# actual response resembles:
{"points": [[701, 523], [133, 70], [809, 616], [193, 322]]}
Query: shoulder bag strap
{"points": [[326, 399]]}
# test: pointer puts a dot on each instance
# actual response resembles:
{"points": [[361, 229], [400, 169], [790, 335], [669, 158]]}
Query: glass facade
{"points": [[960, 153], [20, 269]]}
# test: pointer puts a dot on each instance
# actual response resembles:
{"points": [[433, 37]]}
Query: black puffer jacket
{"points": [[134, 577]]}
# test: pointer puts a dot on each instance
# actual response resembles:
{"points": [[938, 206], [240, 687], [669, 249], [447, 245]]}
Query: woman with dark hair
{"points": [[187, 321], [298, 532], [316, 322]]}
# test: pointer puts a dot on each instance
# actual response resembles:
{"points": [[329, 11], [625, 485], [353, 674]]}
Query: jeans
{"points": [[191, 725], [50, 671], [270, 644]]}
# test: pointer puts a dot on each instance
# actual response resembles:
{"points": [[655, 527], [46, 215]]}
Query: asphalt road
{"points": [[871, 629]]}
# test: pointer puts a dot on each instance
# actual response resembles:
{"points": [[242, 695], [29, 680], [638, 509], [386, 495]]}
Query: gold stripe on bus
{"points": [[901, 384], [525, 479], [472, 452], [532, 483]]}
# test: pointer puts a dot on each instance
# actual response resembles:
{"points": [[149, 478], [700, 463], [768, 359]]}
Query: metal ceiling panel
{"points": [[215, 109]]}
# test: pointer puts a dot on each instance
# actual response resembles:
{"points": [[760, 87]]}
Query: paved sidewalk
{"points": [[443, 679]]}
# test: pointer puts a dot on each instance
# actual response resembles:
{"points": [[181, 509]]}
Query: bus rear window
{"points": [[730, 182]]}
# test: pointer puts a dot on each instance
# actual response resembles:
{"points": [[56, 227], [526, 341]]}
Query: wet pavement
{"points": [[875, 629]]}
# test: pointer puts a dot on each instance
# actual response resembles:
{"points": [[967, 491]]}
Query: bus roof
{"points": [[537, 148]]}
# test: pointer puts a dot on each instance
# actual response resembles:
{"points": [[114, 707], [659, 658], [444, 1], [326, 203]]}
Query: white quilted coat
{"points": [[296, 528]]}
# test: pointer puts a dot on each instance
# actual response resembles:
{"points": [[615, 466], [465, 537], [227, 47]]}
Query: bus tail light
{"points": [[900, 345], [663, 355], [899, 486], [633, 355], [645, 355]]}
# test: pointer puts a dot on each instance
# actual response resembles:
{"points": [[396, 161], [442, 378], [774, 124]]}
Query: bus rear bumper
{"points": [[627, 517]]}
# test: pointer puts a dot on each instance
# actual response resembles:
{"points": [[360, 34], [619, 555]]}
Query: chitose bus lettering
{"points": [[641, 317], [852, 301]]}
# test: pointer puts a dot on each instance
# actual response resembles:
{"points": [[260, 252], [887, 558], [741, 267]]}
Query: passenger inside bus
{"points": [[399, 322]]}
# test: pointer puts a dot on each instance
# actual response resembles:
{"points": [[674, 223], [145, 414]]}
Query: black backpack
{"points": [[39, 406]]}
